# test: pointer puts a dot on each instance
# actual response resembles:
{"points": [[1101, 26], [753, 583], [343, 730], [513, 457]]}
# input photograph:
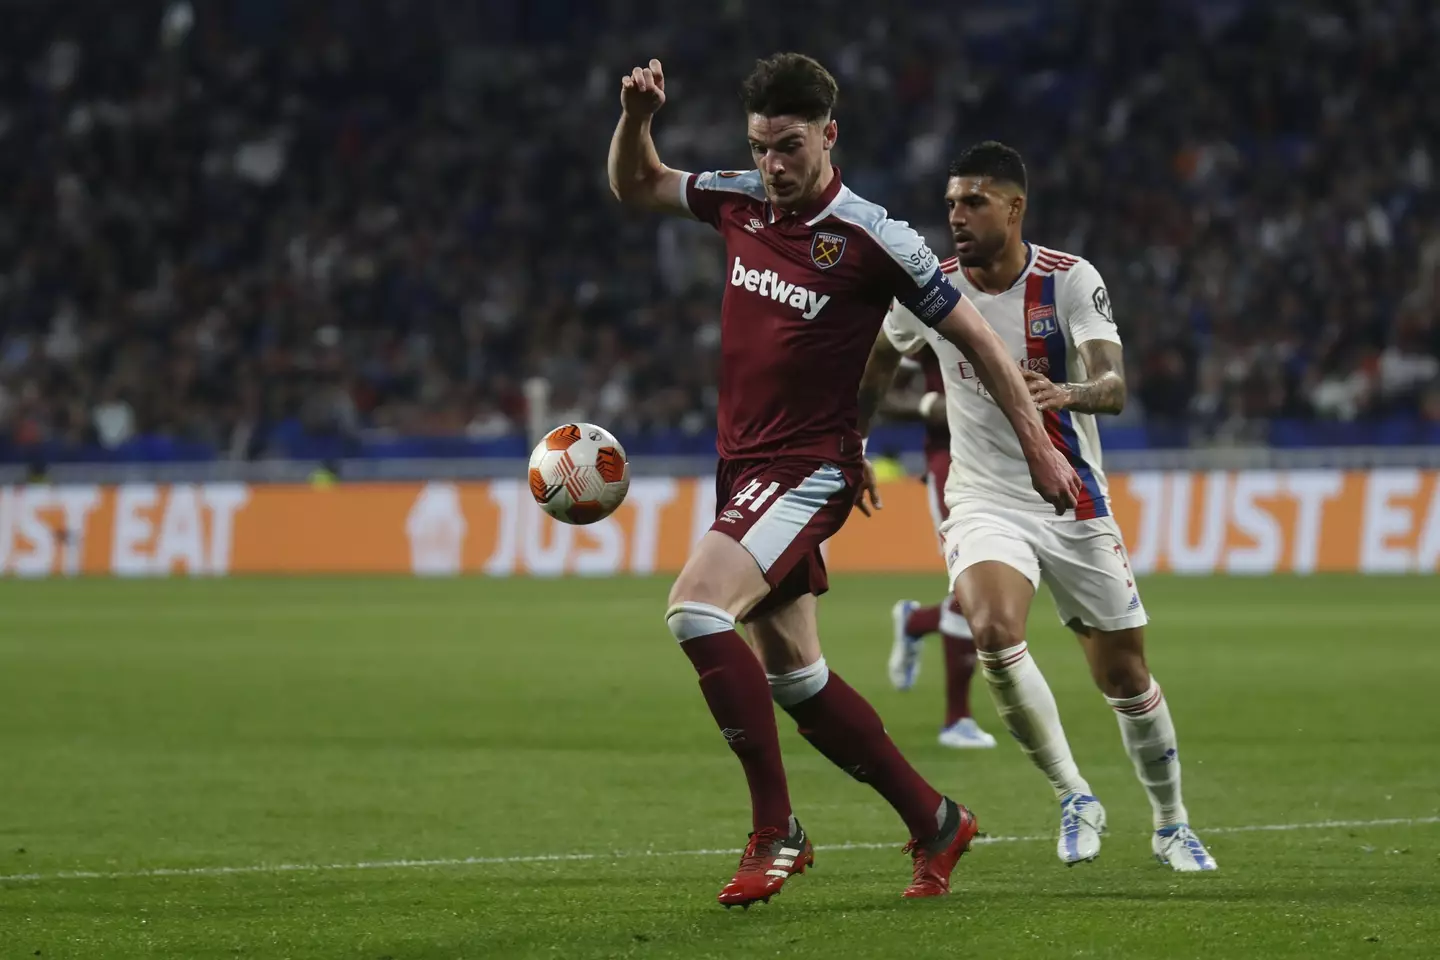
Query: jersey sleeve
{"points": [[1085, 305], [919, 285], [905, 332], [706, 195]]}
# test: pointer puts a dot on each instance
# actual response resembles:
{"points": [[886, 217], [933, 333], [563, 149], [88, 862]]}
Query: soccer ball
{"points": [[579, 474]]}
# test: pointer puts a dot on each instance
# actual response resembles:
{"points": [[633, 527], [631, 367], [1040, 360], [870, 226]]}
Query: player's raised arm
{"points": [[637, 177], [1052, 475]]}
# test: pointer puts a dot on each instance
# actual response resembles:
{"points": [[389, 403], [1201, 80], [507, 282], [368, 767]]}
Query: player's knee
{"points": [[695, 586], [721, 573], [1120, 672], [1123, 678], [797, 686], [689, 619], [993, 630]]}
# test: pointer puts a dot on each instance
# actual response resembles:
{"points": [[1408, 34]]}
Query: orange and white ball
{"points": [[579, 474]]}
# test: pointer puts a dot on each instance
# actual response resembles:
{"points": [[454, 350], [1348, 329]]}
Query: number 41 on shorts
{"points": [[753, 495]]}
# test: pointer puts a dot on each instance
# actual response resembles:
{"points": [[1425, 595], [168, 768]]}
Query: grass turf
{"points": [[160, 725]]}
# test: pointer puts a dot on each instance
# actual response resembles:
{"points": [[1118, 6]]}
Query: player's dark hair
{"points": [[790, 84], [991, 159]]}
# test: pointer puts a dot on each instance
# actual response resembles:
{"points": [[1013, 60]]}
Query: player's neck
{"points": [[1001, 273], [827, 176]]}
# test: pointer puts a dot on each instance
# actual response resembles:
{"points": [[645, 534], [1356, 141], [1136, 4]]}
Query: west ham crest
{"points": [[826, 249]]}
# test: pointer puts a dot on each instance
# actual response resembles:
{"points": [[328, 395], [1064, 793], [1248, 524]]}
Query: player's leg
{"points": [[1095, 594], [845, 728], [960, 730], [720, 582], [993, 559], [770, 516]]}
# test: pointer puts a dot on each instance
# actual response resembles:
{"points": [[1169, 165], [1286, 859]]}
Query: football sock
{"points": [[1149, 737], [738, 694], [923, 621], [848, 732], [1027, 708], [959, 662]]}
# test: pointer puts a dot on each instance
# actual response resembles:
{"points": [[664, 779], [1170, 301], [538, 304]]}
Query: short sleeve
{"points": [[1085, 305], [919, 284], [906, 334], [706, 195]]}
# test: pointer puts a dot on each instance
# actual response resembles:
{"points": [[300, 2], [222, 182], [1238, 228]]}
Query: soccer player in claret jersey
{"points": [[912, 621], [1053, 312], [811, 270]]}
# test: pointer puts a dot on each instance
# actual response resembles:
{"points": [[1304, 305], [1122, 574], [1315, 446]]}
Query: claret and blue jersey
{"points": [[806, 294]]}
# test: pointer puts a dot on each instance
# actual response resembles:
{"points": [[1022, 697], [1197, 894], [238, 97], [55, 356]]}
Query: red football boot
{"points": [[769, 860], [936, 859]]}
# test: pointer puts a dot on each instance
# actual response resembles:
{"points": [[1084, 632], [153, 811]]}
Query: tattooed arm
{"points": [[1102, 392]]}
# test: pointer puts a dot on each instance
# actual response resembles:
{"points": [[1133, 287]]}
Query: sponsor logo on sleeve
{"points": [[921, 259]]}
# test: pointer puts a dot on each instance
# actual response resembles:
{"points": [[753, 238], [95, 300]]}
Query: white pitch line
{"points": [[618, 854]]}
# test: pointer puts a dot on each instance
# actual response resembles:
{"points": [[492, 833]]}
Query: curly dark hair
{"points": [[790, 84]]}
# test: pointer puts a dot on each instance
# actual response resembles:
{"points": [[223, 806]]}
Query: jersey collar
{"points": [[1030, 254], [812, 212]]}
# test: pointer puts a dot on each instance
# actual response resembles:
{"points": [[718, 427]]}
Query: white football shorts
{"points": [[1084, 562]]}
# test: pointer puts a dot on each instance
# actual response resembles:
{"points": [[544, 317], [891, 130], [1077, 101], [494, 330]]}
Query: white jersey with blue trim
{"points": [[1057, 303]]}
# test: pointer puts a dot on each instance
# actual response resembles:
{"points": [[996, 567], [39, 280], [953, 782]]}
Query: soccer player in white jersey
{"points": [[1053, 312]]}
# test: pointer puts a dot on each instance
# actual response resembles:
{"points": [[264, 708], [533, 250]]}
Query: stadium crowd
{"points": [[238, 223]]}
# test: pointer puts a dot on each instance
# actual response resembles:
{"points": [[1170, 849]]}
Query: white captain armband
{"points": [[933, 302]]}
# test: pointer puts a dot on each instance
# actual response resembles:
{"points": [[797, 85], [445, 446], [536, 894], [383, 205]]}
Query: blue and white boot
{"points": [[1082, 821], [965, 734], [1181, 849], [905, 650]]}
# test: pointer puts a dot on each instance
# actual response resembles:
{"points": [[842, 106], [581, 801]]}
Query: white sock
{"points": [[1149, 737], [1027, 707]]}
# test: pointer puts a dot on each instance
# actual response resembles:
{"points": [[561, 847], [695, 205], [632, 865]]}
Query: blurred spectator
{"points": [[236, 224], [114, 420]]}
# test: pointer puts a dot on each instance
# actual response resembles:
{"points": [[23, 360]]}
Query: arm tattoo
{"points": [[1104, 392]]}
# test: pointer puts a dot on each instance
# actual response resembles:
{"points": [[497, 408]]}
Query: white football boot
{"points": [[1082, 821], [905, 650], [965, 734], [1182, 850]]}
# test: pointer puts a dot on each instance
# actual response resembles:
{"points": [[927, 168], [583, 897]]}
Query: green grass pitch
{"points": [[167, 747]]}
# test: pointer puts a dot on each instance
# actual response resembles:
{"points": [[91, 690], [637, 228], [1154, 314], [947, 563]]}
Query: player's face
{"points": [[790, 154], [982, 213]]}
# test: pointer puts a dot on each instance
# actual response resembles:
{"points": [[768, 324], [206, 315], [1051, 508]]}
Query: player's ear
{"points": [[1017, 208], [828, 135]]}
